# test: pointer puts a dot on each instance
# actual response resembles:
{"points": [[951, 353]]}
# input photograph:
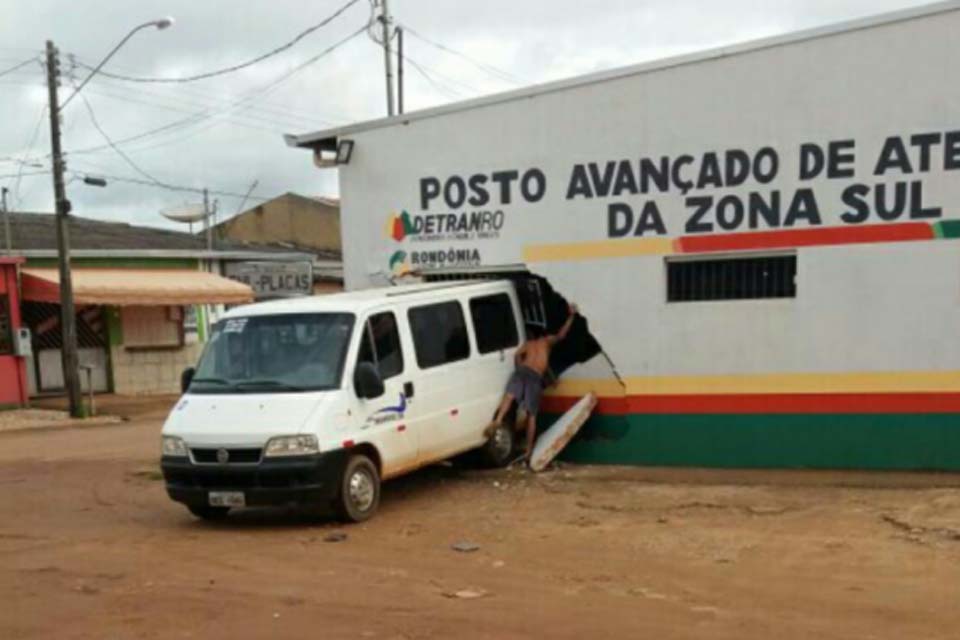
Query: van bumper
{"points": [[300, 480]]}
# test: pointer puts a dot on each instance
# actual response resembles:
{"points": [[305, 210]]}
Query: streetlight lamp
{"points": [[68, 326], [160, 25]]}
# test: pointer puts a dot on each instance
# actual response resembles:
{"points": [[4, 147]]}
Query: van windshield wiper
{"points": [[270, 384], [220, 381]]}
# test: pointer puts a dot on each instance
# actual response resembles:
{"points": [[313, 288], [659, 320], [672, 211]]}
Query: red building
{"points": [[13, 369]]}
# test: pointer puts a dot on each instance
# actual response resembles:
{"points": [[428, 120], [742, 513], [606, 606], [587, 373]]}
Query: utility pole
{"points": [[400, 70], [68, 326], [387, 58], [6, 220], [207, 221]]}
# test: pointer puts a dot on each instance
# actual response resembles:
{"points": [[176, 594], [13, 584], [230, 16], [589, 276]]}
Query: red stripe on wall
{"points": [[896, 232], [813, 403]]}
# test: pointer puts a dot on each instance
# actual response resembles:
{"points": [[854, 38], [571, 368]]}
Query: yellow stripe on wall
{"points": [[885, 382], [601, 249]]}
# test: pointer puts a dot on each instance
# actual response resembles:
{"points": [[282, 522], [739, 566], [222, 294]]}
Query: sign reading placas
{"points": [[274, 279]]}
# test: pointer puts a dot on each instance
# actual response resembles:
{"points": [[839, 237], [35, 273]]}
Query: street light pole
{"points": [[68, 320]]}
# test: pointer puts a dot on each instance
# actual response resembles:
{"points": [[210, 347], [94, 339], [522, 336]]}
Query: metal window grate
{"points": [[732, 278]]}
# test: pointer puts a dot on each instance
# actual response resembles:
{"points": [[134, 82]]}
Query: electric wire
{"points": [[192, 105], [132, 100], [237, 67], [450, 93], [133, 165], [28, 149], [171, 187], [195, 95], [252, 95], [442, 76], [26, 175], [18, 66], [488, 68]]}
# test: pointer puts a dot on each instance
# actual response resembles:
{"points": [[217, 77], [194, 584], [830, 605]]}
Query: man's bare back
{"points": [[535, 354]]}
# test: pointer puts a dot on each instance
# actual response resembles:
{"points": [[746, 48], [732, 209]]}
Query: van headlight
{"points": [[174, 447], [291, 446]]}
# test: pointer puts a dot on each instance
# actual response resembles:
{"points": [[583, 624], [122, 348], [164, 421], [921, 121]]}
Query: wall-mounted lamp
{"points": [[344, 151]]}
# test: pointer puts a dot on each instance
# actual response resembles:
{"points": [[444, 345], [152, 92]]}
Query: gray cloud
{"points": [[537, 40]]}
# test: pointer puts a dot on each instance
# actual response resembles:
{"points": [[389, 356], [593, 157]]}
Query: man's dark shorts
{"points": [[526, 386]]}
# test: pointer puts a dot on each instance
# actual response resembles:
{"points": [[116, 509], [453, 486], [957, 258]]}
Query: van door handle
{"points": [[408, 389]]}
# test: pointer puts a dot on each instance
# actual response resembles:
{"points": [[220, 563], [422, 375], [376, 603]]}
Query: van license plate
{"points": [[227, 499]]}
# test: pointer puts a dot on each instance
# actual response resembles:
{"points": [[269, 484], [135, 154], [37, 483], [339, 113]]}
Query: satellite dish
{"points": [[185, 213]]}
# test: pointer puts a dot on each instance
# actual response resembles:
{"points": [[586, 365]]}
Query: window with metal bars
{"points": [[732, 278]]}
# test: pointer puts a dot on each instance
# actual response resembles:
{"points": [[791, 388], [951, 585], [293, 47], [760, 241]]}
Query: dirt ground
{"points": [[90, 547]]}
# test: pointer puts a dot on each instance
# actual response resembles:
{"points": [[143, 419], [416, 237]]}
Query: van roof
{"points": [[365, 299]]}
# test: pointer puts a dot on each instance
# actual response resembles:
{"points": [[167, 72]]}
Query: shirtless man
{"points": [[526, 383]]}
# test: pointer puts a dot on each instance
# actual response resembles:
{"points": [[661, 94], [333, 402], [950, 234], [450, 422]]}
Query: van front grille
{"points": [[235, 456]]}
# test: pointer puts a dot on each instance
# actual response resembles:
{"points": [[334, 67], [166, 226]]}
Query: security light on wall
{"points": [[344, 151]]}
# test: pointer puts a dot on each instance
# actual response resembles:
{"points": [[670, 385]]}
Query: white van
{"points": [[316, 400]]}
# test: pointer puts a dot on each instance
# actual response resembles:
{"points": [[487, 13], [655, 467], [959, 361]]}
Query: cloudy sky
{"points": [[224, 133]]}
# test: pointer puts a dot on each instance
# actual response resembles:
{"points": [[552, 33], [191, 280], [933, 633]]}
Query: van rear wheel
{"points": [[498, 450], [359, 494]]}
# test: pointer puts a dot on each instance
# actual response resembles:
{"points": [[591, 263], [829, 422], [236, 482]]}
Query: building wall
{"points": [[861, 369], [13, 373], [151, 372], [324, 288], [139, 370], [290, 219]]}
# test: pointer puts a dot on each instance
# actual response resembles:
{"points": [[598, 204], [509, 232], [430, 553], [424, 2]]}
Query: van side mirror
{"points": [[186, 378], [367, 381]]}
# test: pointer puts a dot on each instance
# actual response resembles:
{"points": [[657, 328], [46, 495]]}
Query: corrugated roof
{"points": [[133, 287], [37, 231], [326, 138]]}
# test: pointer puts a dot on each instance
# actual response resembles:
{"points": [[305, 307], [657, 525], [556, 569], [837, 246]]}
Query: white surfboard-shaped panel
{"points": [[560, 433]]}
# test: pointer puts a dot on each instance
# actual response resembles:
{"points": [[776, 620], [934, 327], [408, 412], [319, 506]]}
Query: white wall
{"points": [[867, 307]]}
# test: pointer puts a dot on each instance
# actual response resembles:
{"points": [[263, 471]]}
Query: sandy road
{"points": [[90, 547]]}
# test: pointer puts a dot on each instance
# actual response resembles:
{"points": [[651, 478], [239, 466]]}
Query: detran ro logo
{"points": [[399, 226], [398, 263]]}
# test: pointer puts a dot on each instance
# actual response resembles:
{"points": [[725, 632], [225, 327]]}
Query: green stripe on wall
{"points": [[947, 229], [827, 441]]}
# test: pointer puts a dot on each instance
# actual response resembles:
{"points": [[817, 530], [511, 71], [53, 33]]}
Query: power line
{"points": [[251, 96], [450, 93], [189, 104], [490, 69], [211, 97], [442, 76], [126, 158], [18, 66], [198, 98], [26, 175], [237, 67], [165, 107], [173, 187], [29, 148]]}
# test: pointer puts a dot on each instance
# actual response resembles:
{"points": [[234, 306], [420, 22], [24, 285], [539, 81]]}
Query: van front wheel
{"points": [[498, 450], [359, 494]]}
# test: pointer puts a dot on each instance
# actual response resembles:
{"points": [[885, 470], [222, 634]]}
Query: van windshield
{"points": [[275, 354]]}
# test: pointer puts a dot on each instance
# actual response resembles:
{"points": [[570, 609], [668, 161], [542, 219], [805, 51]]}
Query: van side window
{"points": [[380, 345], [494, 322], [439, 334]]}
